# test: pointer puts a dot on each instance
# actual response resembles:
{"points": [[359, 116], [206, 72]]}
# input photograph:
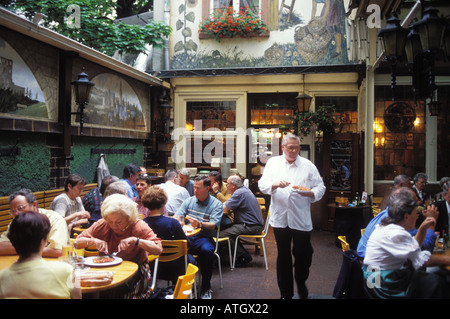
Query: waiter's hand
{"points": [[280, 184]]}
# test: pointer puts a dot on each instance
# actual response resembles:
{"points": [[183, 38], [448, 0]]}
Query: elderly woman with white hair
{"points": [[120, 230]]}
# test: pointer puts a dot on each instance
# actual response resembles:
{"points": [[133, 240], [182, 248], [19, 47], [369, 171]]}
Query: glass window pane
{"points": [[211, 114], [398, 152]]}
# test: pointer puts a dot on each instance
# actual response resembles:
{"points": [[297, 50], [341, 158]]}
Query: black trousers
{"points": [[302, 250]]}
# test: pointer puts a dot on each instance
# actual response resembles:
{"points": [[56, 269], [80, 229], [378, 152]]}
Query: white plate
{"points": [[89, 261], [303, 192], [300, 191]]}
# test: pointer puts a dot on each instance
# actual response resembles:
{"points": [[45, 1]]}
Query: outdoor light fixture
{"points": [[421, 44], [165, 109], [435, 108], [303, 100], [82, 88], [393, 42]]}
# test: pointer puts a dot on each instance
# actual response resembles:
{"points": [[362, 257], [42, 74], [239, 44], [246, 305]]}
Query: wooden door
{"points": [[342, 170]]}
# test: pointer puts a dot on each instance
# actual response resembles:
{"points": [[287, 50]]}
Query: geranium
{"points": [[226, 23]]}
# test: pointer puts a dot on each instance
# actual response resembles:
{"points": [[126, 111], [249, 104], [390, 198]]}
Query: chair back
{"points": [[266, 225], [344, 244], [173, 249], [183, 288]]}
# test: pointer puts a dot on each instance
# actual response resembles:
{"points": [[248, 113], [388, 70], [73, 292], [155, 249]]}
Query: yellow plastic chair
{"points": [[344, 244], [183, 288], [260, 236], [219, 240], [172, 250]]}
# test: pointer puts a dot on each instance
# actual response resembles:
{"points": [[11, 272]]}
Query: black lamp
{"points": [[435, 108], [165, 109], [393, 39], [303, 100], [413, 47], [431, 30], [82, 88]]}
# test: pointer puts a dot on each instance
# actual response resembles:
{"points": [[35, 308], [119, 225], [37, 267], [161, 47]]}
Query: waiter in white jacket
{"points": [[290, 212]]}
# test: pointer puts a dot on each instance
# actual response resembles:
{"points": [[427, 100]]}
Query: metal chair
{"points": [[219, 240], [260, 236]]}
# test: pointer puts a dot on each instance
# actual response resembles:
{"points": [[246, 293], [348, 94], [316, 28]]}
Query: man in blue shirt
{"points": [[130, 173], [428, 243], [205, 212]]}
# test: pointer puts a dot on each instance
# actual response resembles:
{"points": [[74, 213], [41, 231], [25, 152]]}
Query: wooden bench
{"points": [[44, 199]]}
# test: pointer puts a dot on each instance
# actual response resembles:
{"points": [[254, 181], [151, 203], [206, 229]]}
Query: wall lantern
{"points": [[435, 108], [82, 88], [165, 109], [303, 100]]}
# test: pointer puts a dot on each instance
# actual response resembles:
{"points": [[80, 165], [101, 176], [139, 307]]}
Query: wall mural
{"points": [[20, 93], [114, 103], [312, 33]]}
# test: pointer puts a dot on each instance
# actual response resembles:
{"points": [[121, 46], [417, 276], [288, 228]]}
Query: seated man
{"points": [[176, 194], [204, 211], [184, 179], [24, 200], [247, 217], [130, 173]]}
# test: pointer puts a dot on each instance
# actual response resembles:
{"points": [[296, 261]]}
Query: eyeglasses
{"points": [[292, 148], [18, 209]]}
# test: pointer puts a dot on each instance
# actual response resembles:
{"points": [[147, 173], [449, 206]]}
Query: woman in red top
{"points": [[120, 230]]}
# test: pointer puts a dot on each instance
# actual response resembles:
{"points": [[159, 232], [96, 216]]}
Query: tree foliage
{"points": [[97, 28]]}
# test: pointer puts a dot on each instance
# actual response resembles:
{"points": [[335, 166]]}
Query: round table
{"points": [[122, 272]]}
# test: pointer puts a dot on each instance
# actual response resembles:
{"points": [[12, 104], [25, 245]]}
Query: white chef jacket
{"points": [[287, 207]]}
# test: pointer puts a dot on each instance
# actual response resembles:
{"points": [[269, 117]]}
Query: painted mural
{"points": [[114, 103], [20, 93], [302, 32]]}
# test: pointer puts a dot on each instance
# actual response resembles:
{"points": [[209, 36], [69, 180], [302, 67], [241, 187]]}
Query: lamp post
{"points": [[82, 88]]}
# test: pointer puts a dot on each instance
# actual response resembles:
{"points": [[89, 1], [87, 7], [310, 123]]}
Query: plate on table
{"points": [[102, 261]]}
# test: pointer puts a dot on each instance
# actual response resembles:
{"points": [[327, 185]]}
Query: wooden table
{"points": [[193, 232], [122, 272]]}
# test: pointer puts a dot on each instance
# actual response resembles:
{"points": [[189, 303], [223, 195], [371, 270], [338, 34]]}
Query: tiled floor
{"points": [[254, 282]]}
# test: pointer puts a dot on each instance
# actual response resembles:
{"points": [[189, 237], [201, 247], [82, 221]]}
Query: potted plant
{"points": [[226, 23], [322, 120]]}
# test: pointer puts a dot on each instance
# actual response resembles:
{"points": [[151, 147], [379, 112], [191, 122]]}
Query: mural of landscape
{"points": [[20, 93], [114, 103], [312, 33]]}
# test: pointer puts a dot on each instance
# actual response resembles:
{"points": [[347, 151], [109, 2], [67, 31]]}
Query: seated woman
{"points": [[120, 230], [143, 182], [31, 276], [167, 228], [393, 262], [69, 204]]}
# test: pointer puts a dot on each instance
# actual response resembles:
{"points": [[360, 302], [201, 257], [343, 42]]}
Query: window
{"points": [[206, 117], [212, 114], [259, 7], [398, 152], [251, 5]]}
